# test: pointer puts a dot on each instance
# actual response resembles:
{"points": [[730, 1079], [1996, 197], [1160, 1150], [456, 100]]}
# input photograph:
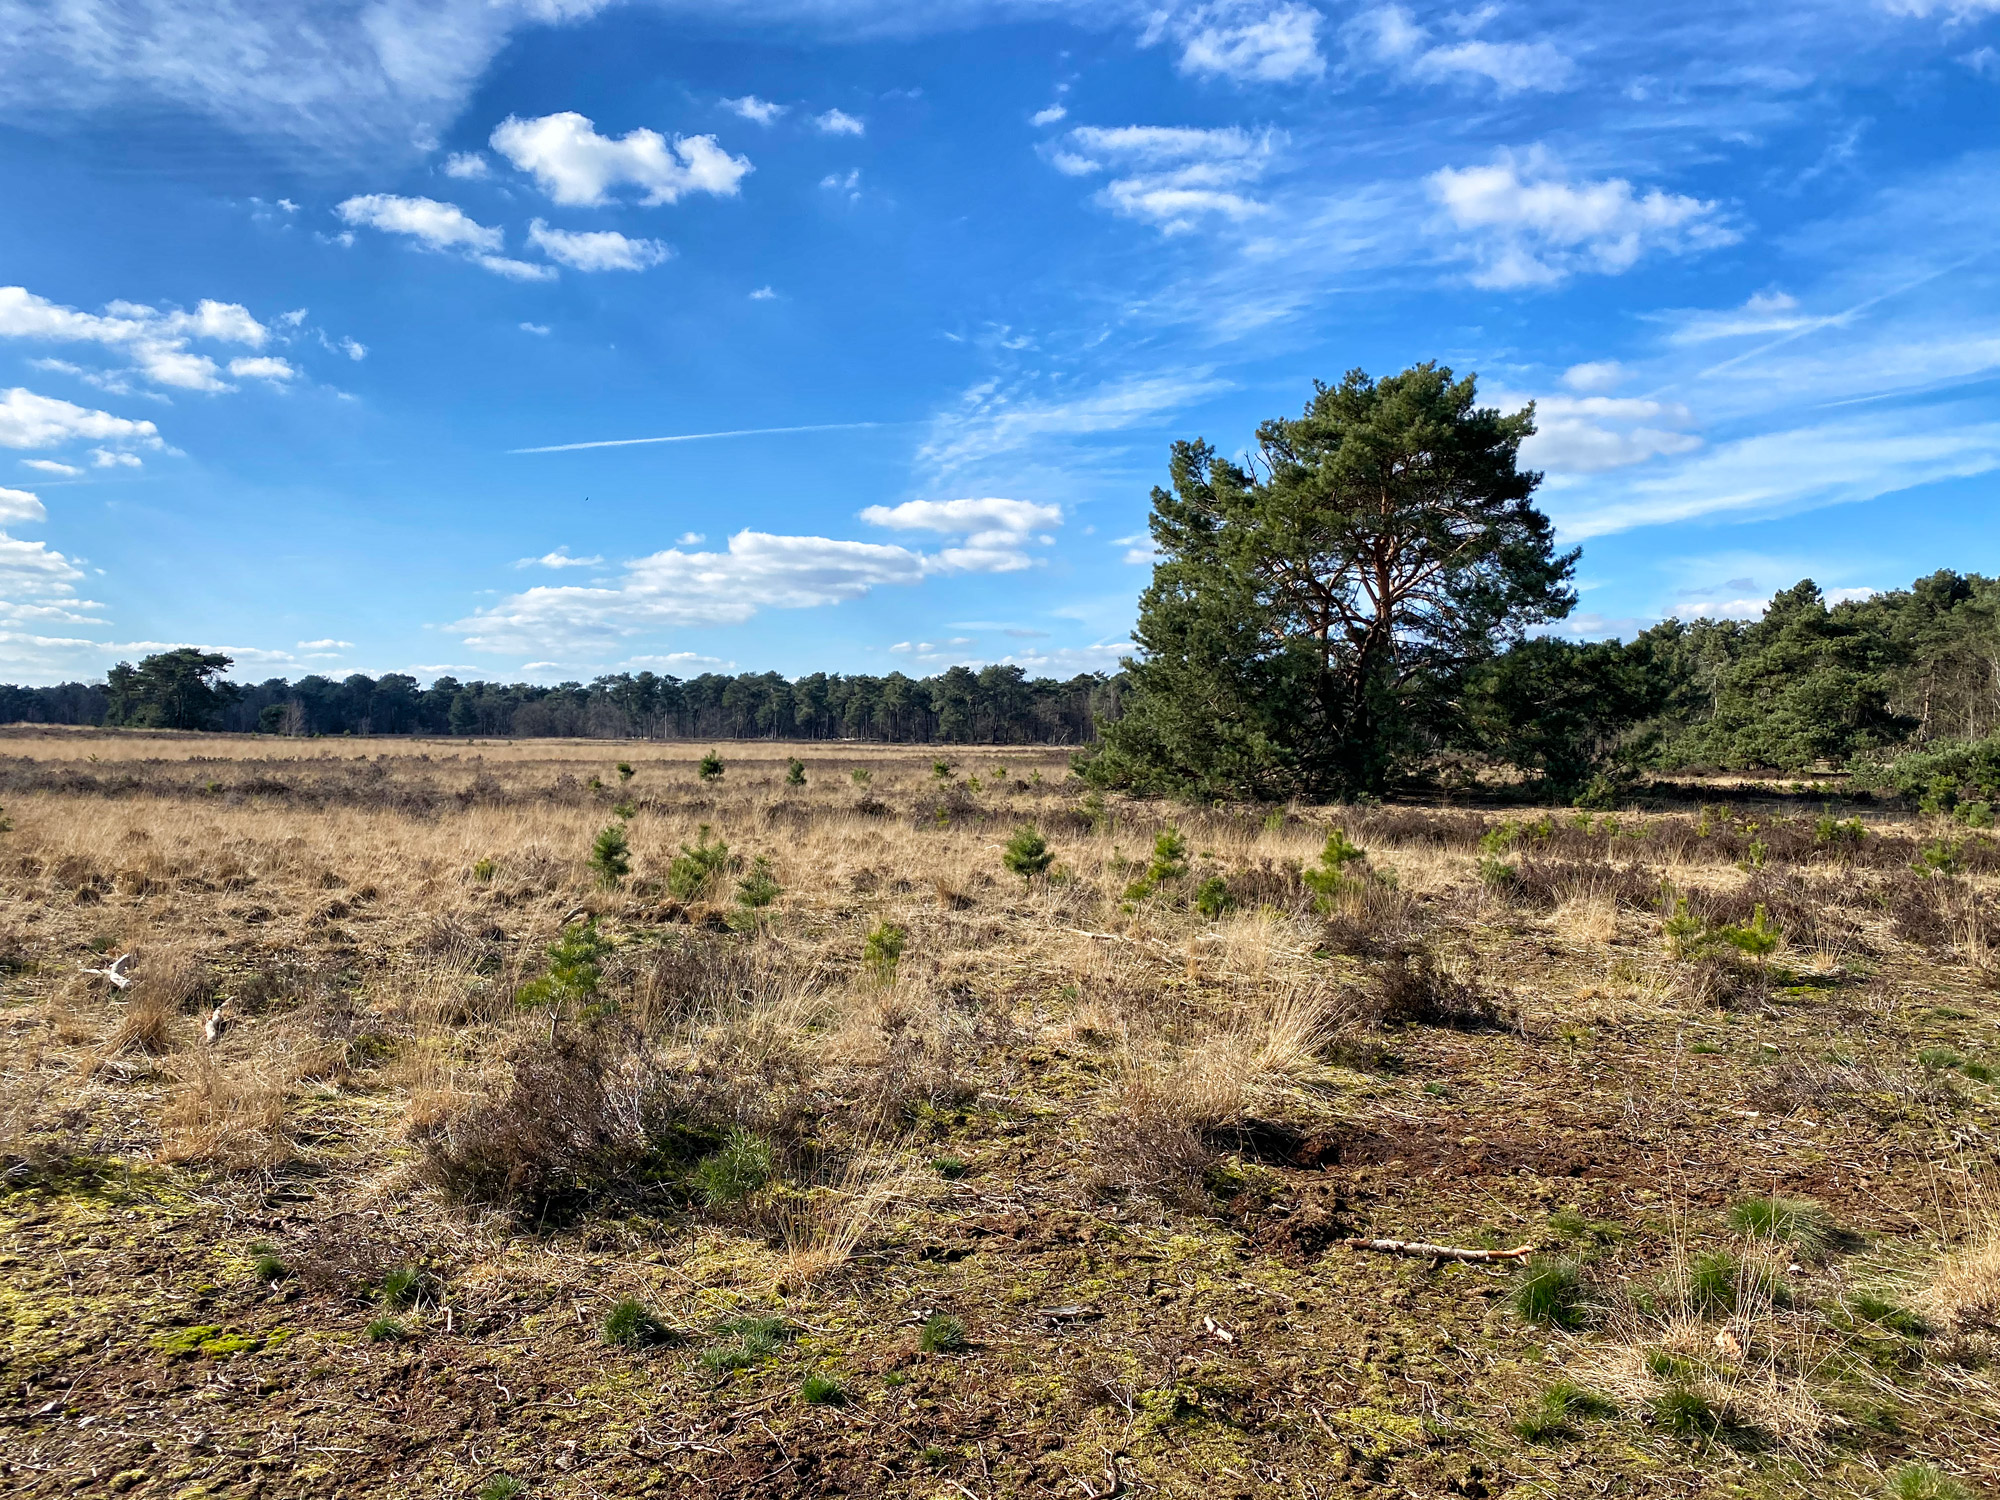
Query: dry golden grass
{"points": [[1109, 1069]]}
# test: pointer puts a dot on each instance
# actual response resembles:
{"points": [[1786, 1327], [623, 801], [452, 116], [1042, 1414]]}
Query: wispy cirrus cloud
{"points": [[1249, 41], [1391, 37], [1175, 177]]}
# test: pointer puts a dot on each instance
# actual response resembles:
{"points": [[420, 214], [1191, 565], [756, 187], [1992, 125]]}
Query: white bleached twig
{"points": [[116, 973]]}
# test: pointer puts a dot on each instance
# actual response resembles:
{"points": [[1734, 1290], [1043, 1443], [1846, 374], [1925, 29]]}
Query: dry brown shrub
{"points": [[172, 976], [822, 1227], [1419, 989], [228, 1117]]}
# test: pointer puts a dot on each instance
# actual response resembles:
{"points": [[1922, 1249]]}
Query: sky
{"points": [[537, 339]]}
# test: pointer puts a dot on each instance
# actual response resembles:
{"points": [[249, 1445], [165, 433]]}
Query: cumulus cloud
{"points": [[1171, 176], [1594, 377], [763, 294], [540, 330], [996, 533], [1590, 434], [1391, 37], [20, 505], [838, 122], [1048, 116], [263, 367], [757, 111], [106, 458], [1251, 41], [434, 225], [596, 249], [559, 558], [31, 421], [154, 341], [573, 164], [442, 227], [466, 165], [1525, 223], [673, 589]]}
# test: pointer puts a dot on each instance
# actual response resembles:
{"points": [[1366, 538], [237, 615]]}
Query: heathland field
{"points": [[546, 1119]]}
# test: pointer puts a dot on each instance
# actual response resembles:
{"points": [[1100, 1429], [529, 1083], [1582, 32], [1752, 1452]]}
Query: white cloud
{"points": [[763, 294], [105, 458], [758, 111], [1780, 472], [1048, 116], [466, 165], [20, 505], [326, 645], [1139, 548], [689, 539], [1251, 41], [539, 329], [155, 341], [676, 661], [354, 349], [1984, 61], [596, 249], [1594, 377], [1763, 313], [996, 532], [515, 270], [50, 466], [1590, 434], [573, 164], [1173, 175], [263, 367], [843, 182], [672, 589], [1391, 37], [990, 420], [838, 122], [434, 225], [1527, 225], [31, 421], [559, 558], [353, 77]]}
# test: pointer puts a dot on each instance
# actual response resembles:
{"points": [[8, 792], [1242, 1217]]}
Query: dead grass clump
{"points": [[229, 1118], [145, 1025], [174, 978], [1549, 884], [1167, 1119], [588, 1119], [1417, 989], [1961, 1296], [823, 1226]]}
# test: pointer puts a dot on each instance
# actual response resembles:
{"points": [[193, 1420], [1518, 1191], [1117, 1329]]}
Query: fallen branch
{"points": [[1423, 1251], [116, 973]]}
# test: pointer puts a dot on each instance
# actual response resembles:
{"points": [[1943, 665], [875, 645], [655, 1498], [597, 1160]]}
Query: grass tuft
{"points": [[942, 1334], [632, 1325], [822, 1390], [1550, 1291], [1921, 1481], [734, 1172], [1799, 1222]]}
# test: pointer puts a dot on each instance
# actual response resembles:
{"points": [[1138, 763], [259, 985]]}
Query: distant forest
{"points": [[1860, 682], [990, 705]]}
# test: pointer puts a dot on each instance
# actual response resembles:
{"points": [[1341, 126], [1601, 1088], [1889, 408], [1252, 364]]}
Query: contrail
{"points": [[696, 437]]}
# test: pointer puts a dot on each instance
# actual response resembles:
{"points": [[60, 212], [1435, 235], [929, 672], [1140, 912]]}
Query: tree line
{"points": [[189, 689], [1362, 603]]}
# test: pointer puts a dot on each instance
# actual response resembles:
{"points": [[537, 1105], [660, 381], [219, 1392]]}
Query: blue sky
{"points": [[314, 313]]}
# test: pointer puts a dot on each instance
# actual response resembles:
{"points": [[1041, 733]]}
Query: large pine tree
{"points": [[1313, 613]]}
